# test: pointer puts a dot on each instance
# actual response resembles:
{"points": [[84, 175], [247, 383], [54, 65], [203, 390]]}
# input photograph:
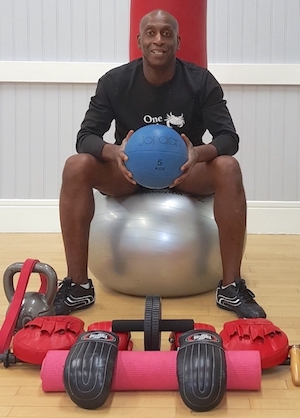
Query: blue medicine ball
{"points": [[155, 155]]}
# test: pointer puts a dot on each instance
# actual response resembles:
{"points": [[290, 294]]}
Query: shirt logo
{"points": [[170, 120], [174, 120]]}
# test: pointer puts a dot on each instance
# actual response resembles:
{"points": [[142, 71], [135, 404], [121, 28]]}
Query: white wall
{"points": [[253, 49]]}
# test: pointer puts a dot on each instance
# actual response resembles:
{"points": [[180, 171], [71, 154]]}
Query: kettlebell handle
{"points": [[47, 275]]}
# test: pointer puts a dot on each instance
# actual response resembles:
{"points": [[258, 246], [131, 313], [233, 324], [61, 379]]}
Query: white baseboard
{"points": [[41, 215], [273, 217], [29, 215]]}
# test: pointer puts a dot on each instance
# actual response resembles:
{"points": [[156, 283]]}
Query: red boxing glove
{"points": [[257, 334], [125, 342], [31, 343]]}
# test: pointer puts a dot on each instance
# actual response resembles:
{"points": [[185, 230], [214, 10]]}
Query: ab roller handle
{"points": [[132, 325], [152, 325]]}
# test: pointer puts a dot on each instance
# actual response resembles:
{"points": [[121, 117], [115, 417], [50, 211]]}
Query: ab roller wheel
{"points": [[152, 335]]}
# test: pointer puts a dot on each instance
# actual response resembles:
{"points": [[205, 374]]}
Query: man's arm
{"points": [[217, 118], [96, 122]]}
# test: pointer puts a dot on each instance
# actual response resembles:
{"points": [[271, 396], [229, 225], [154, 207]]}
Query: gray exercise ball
{"points": [[156, 242]]}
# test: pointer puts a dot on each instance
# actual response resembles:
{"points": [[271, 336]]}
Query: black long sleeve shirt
{"points": [[191, 103]]}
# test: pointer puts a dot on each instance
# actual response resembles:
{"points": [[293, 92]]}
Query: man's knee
{"points": [[226, 167], [77, 166], [226, 172]]}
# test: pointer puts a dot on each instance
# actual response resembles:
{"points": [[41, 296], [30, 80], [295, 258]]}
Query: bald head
{"points": [[160, 15]]}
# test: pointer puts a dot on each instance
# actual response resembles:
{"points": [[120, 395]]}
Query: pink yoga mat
{"points": [[155, 371]]}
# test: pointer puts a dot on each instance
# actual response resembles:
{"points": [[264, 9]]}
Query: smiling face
{"points": [[158, 39]]}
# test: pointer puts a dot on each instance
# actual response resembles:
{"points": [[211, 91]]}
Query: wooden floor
{"points": [[271, 267]]}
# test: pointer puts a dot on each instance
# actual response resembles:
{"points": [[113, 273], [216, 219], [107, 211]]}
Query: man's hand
{"points": [[115, 153], [201, 153], [121, 158]]}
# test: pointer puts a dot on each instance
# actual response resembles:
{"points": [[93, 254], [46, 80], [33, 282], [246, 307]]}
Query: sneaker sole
{"points": [[239, 316], [76, 309], [228, 310]]}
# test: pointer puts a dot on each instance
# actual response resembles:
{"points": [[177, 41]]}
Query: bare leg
{"points": [[76, 212], [81, 174], [230, 215], [222, 176]]}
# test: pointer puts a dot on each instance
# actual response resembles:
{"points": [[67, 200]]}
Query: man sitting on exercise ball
{"points": [[156, 84]]}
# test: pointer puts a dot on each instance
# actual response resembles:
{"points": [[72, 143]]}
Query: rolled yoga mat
{"points": [[155, 371]]}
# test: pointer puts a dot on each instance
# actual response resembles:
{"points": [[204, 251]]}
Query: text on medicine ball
{"points": [[164, 139]]}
